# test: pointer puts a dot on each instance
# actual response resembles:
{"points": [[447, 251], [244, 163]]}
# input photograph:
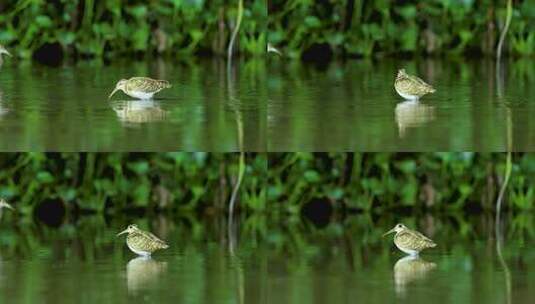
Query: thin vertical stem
{"points": [[508, 165], [497, 224], [235, 31], [505, 29]]}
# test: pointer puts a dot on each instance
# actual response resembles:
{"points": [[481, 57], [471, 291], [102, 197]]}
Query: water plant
{"points": [[382, 28], [126, 28]]}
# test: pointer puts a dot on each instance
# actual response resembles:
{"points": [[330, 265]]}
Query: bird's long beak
{"points": [[390, 231], [114, 90], [123, 232]]}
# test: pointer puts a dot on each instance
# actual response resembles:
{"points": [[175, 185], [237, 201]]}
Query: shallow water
{"points": [[269, 262], [353, 106], [67, 108]]}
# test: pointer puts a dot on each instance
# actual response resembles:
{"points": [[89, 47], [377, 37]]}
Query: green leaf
{"points": [[312, 176], [312, 21], [43, 21], [45, 177], [408, 12], [140, 167]]}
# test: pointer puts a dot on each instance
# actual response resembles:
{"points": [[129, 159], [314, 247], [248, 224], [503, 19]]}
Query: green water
{"points": [[352, 106], [267, 261], [288, 106], [66, 108]]}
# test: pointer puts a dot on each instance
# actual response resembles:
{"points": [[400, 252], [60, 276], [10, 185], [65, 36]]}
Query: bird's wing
{"points": [[425, 241], [155, 238], [421, 82], [144, 84], [405, 239]]}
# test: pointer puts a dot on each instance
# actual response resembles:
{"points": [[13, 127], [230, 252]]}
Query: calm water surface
{"points": [[341, 262], [353, 106], [67, 108]]}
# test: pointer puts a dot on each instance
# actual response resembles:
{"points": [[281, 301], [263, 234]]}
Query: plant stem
{"points": [[505, 29], [508, 166], [497, 224], [237, 186], [235, 31]]}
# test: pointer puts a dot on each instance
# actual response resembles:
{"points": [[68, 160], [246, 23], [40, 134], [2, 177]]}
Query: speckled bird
{"points": [[140, 87], [3, 51], [410, 241], [141, 242], [411, 87]]}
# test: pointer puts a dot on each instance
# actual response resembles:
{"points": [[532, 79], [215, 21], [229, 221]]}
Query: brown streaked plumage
{"points": [[142, 242], [410, 241], [411, 87], [140, 87]]}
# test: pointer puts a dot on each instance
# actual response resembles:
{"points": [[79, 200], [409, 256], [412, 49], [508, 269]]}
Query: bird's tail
{"points": [[164, 84]]}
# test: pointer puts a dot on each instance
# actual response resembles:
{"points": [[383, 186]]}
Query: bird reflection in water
{"points": [[3, 109], [143, 273], [410, 269], [412, 114], [139, 111]]}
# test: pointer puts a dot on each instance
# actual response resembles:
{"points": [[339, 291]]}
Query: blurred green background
{"points": [[270, 249], [274, 183], [388, 27], [115, 182], [118, 27], [324, 183]]}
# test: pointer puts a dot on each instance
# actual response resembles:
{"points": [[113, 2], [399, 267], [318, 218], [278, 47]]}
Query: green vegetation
{"points": [[202, 182], [385, 27], [118, 27], [384, 182], [111, 182]]}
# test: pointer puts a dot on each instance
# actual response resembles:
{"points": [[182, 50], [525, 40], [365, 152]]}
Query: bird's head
{"points": [[121, 85], [401, 73], [399, 227], [4, 51], [4, 204], [129, 229]]}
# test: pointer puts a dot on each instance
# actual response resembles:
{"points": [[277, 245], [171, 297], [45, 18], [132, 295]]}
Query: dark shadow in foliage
{"points": [[50, 54], [319, 54], [318, 211], [50, 212]]}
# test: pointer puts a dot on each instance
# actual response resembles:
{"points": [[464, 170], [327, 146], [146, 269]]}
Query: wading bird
{"points": [[411, 87], [141, 242], [410, 241], [140, 87]]}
